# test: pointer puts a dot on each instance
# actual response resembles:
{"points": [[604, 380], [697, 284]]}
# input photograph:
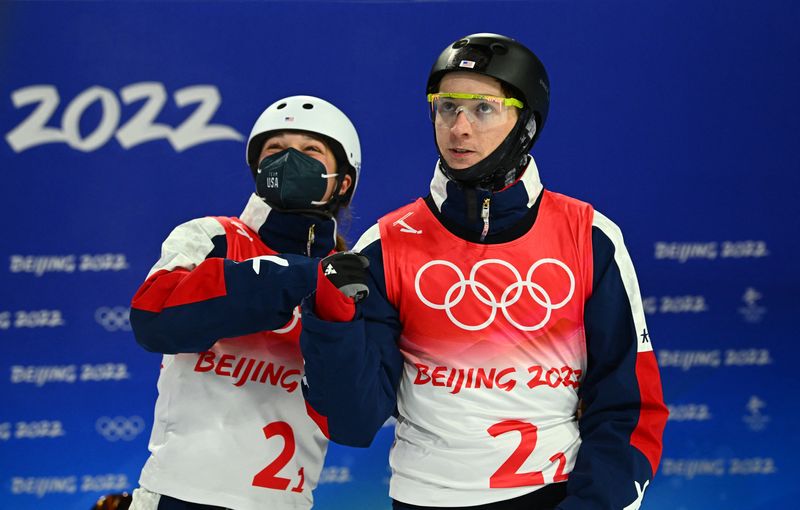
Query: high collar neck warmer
{"points": [[287, 232], [464, 206]]}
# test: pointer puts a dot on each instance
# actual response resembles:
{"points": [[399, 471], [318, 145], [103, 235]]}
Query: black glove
{"points": [[347, 271]]}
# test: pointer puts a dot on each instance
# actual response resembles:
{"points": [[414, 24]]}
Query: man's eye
{"points": [[447, 106], [485, 108]]}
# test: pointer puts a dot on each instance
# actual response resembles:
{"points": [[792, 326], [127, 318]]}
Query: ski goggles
{"points": [[482, 111]]}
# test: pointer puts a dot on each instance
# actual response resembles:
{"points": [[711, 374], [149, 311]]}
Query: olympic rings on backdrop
{"points": [[484, 294], [119, 427], [117, 318]]}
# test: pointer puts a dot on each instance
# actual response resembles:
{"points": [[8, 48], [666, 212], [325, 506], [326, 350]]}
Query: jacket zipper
{"points": [[485, 216], [310, 240]]}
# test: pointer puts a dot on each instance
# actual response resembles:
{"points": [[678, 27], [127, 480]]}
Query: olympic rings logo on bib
{"points": [[509, 296]]}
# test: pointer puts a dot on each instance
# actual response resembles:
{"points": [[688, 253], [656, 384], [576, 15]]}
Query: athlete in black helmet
{"points": [[520, 75], [504, 325]]}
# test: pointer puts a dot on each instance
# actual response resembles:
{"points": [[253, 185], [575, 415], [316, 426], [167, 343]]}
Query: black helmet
{"points": [[516, 67]]}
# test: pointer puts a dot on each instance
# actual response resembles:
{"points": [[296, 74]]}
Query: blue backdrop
{"points": [[678, 119]]}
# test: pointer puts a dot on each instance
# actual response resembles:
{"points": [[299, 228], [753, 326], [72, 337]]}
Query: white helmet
{"points": [[315, 115]]}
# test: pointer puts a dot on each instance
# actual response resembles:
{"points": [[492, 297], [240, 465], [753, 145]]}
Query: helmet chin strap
{"points": [[504, 165]]}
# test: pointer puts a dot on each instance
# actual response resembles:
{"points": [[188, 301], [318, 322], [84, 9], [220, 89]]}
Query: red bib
{"points": [[494, 346]]}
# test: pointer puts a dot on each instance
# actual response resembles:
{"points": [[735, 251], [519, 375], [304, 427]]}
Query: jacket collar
{"points": [[288, 232], [507, 207]]}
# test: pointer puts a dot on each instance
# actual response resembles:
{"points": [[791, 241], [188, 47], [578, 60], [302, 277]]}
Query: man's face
{"points": [[465, 143]]}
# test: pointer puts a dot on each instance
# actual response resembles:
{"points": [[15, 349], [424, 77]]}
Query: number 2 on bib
{"points": [[268, 477], [507, 475]]}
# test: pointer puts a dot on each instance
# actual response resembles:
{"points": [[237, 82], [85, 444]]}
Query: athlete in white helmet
{"points": [[496, 308], [231, 428]]}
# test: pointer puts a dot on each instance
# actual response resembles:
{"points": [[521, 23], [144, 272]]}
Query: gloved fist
{"points": [[341, 282], [346, 270]]}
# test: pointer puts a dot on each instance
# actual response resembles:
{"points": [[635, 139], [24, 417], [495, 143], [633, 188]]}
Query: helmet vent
{"points": [[460, 44], [308, 106], [498, 48], [281, 106]]}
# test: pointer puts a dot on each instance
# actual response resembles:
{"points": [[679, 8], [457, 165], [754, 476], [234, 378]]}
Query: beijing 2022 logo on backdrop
{"points": [[508, 296]]}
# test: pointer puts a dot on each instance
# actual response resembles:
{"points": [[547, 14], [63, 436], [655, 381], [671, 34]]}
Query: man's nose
{"points": [[461, 125]]}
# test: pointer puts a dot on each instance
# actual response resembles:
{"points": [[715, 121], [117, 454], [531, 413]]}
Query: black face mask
{"points": [[291, 180]]}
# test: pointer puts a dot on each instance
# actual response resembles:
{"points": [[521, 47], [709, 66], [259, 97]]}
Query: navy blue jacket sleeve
{"points": [[352, 369], [193, 297], [623, 414]]}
